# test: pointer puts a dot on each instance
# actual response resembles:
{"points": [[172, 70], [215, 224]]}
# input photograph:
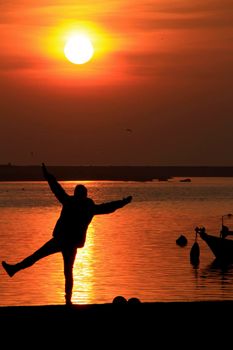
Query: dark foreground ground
{"points": [[185, 325]]}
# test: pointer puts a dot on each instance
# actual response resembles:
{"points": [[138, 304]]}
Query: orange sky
{"points": [[162, 68]]}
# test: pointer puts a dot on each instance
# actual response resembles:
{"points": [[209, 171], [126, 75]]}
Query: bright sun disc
{"points": [[79, 49]]}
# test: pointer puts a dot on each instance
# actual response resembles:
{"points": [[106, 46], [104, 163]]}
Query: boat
{"points": [[221, 247], [185, 180]]}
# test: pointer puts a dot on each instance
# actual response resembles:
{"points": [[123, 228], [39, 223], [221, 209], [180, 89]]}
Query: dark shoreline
{"points": [[154, 325], [10, 172], [140, 312]]}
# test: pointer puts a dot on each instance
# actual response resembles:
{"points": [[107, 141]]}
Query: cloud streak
{"points": [[138, 14]]}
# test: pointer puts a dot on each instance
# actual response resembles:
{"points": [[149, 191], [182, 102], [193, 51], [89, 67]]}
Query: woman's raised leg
{"points": [[48, 248]]}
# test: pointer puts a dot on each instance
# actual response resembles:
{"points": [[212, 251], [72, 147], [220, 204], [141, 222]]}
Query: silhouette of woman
{"points": [[70, 230]]}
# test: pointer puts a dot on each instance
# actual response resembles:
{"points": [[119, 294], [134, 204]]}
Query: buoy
{"points": [[182, 241], [195, 254]]}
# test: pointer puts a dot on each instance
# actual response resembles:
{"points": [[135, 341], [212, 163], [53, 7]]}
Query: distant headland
{"points": [[9, 172]]}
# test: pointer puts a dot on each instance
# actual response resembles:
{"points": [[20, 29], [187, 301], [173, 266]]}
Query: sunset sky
{"points": [[158, 90]]}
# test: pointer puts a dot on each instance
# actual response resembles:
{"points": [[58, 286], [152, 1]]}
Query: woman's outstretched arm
{"points": [[110, 207], [55, 187]]}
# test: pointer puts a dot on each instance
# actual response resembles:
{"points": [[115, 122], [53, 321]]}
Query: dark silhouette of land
{"points": [[10, 172], [153, 323]]}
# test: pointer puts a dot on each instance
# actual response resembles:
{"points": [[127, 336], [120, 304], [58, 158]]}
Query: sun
{"points": [[79, 49]]}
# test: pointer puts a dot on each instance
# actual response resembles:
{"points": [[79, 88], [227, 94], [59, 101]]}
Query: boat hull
{"points": [[222, 248]]}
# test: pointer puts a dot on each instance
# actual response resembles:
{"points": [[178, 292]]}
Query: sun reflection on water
{"points": [[83, 271]]}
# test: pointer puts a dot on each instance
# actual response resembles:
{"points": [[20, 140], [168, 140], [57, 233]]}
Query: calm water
{"points": [[131, 252]]}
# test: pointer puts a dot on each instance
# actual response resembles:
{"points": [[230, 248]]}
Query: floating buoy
{"points": [[182, 241], [195, 254]]}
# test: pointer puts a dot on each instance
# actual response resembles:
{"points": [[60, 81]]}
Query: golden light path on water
{"points": [[83, 271]]}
